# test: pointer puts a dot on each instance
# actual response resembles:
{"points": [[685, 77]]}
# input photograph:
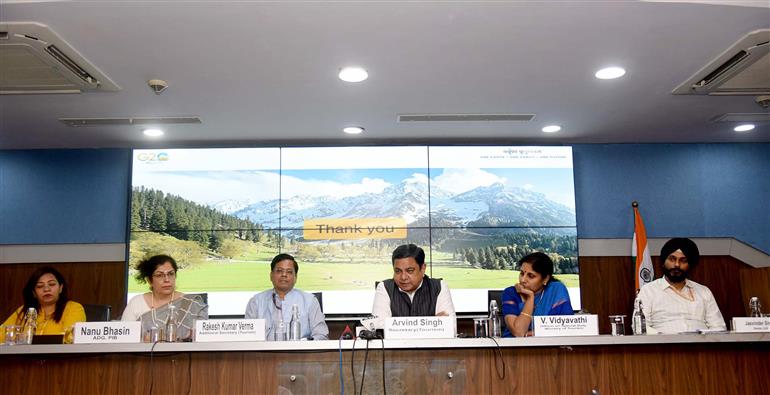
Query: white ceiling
{"points": [[264, 72]]}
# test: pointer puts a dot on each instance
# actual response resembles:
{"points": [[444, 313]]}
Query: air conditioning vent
{"points": [[743, 69], [742, 117], [80, 122], [74, 68], [34, 59], [464, 117]]}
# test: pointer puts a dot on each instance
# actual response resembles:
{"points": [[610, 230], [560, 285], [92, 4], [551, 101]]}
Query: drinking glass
{"points": [[12, 335], [481, 327], [618, 325]]}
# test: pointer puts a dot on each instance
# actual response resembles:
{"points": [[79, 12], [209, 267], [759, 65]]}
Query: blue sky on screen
{"points": [[556, 184], [209, 187]]}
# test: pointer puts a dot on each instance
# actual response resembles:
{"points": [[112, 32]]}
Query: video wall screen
{"points": [[224, 213]]}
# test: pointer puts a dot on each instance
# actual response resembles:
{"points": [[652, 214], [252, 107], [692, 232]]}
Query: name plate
{"points": [[240, 330], [566, 325], [420, 328], [107, 332], [751, 324]]}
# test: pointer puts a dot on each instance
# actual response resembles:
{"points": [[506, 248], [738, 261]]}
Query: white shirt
{"points": [[669, 310], [135, 308], [381, 308]]}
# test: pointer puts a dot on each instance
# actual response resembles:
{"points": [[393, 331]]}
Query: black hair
{"points": [[541, 264], [146, 268], [688, 247], [29, 293], [283, 257], [409, 251]]}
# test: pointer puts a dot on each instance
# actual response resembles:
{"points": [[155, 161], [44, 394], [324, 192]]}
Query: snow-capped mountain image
{"points": [[493, 205], [230, 206]]}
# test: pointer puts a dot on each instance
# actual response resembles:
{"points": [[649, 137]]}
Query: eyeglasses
{"points": [[288, 272], [160, 275]]}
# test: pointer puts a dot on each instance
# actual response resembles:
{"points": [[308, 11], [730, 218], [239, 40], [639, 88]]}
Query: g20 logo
{"points": [[152, 157]]}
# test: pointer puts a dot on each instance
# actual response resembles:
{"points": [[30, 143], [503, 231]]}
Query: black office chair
{"points": [[495, 294], [97, 312], [320, 297]]}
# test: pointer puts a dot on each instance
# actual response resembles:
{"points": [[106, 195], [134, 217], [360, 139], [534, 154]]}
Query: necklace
{"points": [[41, 328]]}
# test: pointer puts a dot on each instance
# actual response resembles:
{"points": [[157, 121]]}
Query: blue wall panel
{"points": [[698, 190], [63, 196]]}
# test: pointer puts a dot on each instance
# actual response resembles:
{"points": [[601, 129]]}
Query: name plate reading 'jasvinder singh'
{"points": [[751, 324]]}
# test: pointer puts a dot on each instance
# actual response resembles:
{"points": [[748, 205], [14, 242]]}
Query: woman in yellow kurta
{"points": [[46, 291]]}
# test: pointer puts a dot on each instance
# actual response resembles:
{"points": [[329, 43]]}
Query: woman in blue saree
{"points": [[536, 293]]}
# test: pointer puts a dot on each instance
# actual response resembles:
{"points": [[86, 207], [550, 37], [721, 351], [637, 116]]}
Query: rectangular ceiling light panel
{"points": [[464, 117]]}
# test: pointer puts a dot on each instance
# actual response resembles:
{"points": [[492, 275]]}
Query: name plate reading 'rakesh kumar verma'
{"points": [[566, 325], [239, 330], [107, 332], [420, 328]]}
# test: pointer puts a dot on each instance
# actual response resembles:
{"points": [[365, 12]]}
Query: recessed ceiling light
{"points": [[744, 127], [353, 74], [153, 132], [610, 73], [353, 129], [551, 128]]}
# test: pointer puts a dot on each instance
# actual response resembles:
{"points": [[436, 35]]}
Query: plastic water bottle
{"points": [[30, 325], [295, 327], [171, 324], [638, 320], [280, 330], [494, 320], [755, 307]]}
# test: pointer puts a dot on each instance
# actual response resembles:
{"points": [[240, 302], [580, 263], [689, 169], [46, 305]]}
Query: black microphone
{"points": [[368, 335]]}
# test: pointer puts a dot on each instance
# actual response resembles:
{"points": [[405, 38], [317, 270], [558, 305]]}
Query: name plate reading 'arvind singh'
{"points": [[244, 330], [107, 332], [566, 325], [751, 324], [420, 328]]}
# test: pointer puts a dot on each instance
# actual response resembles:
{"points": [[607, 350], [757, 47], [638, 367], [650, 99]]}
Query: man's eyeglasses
{"points": [[288, 272], [160, 275]]}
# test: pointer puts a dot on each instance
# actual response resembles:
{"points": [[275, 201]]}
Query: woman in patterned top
{"points": [[152, 308]]}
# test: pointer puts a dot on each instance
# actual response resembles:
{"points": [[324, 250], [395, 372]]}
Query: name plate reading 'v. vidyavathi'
{"points": [[566, 325]]}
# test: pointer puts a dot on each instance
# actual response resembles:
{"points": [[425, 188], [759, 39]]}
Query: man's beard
{"points": [[675, 275]]}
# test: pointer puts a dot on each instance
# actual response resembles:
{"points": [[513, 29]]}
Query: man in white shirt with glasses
{"points": [[675, 304], [274, 305]]}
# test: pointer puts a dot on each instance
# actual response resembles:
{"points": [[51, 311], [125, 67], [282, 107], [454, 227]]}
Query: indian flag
{"points": [[644, 271]]}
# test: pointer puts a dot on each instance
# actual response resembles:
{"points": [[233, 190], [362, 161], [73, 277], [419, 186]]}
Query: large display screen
{"points": [[224, 213]]}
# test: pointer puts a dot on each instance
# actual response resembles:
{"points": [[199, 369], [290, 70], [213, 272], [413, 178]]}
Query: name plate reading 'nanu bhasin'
{"points": [[420, 328], [566, 325], [239, 330], [107, 332]]}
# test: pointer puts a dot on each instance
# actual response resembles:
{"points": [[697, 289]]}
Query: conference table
{"points": [[714, 363]]}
